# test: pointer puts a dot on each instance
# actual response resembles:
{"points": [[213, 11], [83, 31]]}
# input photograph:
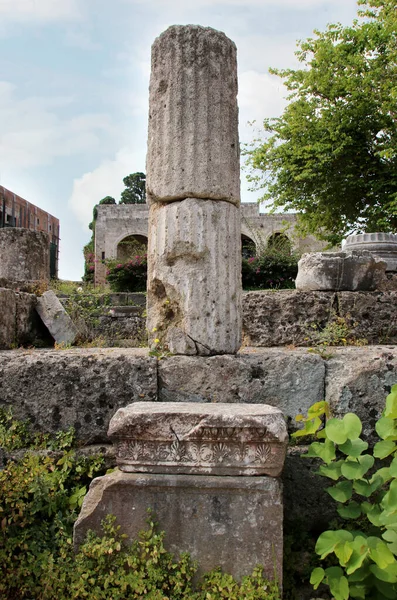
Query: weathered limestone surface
{"points": [[287, 316], [78, 387], [7, 318], [210, 439], [290, 380], [358, 380], [193, 146], [382, 245], [194, 277], [25, 254], [56, 319], [338, 271], [238, 520]]}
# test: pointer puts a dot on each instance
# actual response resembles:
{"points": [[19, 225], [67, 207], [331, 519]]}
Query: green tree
{"points": [[332, 155], [135, 189]]}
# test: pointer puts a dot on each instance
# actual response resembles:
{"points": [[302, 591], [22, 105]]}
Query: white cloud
{"points": [[32, 133], [105, 180], [260, 96], [38, 10]]}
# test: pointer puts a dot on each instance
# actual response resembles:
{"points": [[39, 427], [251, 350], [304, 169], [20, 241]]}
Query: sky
{"points": [[74, 78]]}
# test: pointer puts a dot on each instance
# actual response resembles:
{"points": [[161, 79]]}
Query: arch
{"points": [[130, 245], [279, 241], [248, 247]]}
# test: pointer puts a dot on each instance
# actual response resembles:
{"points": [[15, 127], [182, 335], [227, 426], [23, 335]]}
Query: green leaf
{"points": [[341, 492], [389, 501], [380, 553], [324, 450], [388, 575], [351, 511], [343, 552], [328, 540], [384, 448], [356, 469], [310, 428], [385, 428], [332, 471], [353, 447], [353, 426], [393, 467], [391, 403], [338, 584], [316, 577], [391, 539], [373, 512], [365, 488], [383, 474], [336, 432], [318, 409], [359, 554]]}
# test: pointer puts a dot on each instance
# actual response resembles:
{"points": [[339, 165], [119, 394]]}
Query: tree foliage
{"points": [[332, 155], [135, 189]]}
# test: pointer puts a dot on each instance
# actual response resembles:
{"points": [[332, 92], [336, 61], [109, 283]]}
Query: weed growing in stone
{"points": [[362, 554]]}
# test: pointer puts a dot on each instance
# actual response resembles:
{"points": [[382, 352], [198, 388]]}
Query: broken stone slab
{"points": [[233, 522], [211, 439], [194, 277], [193, 145], [79, 387], [56, 319], [338, 271]]}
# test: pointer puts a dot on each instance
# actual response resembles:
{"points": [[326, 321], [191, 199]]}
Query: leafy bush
{"points": [[39, 499], [130, 276], [362, 554], [273, 268]]}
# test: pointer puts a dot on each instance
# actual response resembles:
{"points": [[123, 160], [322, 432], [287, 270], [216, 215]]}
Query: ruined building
{"points": [[18, 212]]}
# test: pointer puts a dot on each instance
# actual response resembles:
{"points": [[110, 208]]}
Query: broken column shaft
{"points": [[193, 188]]}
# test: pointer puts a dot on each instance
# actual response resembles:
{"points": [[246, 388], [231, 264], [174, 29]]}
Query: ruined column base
{"points": [[232, 522]]}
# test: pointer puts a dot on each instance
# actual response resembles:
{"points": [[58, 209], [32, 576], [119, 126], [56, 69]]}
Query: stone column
{"points": [[193, 188]]}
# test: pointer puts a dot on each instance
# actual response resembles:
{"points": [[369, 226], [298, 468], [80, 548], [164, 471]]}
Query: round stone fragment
{"points": [[193, 145], [382, 245]]}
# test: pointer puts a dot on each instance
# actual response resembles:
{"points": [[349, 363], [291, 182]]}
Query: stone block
{"points": [[285, 317], [338, 271], [56, 319], [210, 439], [358, 380], [193, 146], [291, 380], [25, 254], [194, 277], [56, 389], [234, 522]]}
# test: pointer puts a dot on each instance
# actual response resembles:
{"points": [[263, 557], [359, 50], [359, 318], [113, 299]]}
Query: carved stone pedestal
{"points": [[192, 465]]}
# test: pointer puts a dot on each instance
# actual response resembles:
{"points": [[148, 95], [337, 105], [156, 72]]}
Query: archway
{"points": [[131, 245], [279, 241], [248, 248]]}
